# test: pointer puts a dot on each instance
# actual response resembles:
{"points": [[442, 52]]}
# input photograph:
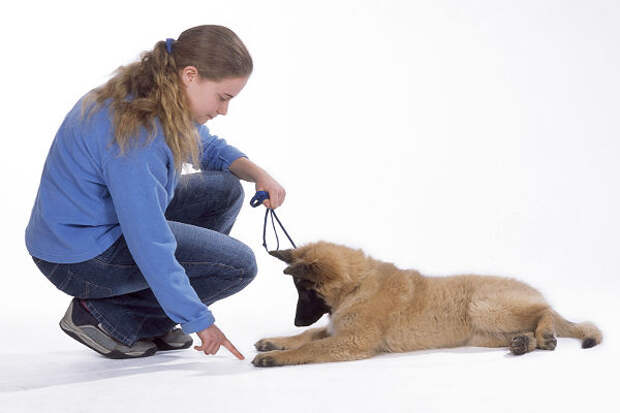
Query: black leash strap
{"points": [[258, 200]]}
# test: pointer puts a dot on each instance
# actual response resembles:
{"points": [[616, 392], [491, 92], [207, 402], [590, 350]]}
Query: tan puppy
{"points": [[376, 307]]}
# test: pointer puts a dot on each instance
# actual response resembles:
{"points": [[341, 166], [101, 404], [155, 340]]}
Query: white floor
{"points": [[42, 370]]}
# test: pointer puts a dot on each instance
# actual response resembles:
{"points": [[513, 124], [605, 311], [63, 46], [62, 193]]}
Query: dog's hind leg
{"points": [[520, 343], [545, 333], [523, 343], [521, 322], [292, 342], [501, 315], [489, 340]]}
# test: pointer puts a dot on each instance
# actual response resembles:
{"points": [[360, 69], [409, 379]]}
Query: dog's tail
{"points": [[587, 332]]}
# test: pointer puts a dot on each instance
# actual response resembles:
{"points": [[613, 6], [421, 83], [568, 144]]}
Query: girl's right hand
{"points": [[212, 338]]}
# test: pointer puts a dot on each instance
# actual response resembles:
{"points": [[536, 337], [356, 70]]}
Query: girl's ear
{"points": [[189, 73]]}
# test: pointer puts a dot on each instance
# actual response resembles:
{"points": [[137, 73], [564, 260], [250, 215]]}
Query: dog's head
{"points": [[322, 273]]}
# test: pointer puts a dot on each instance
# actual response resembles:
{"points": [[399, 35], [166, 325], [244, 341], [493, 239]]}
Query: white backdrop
{"points": [[446, 136]]}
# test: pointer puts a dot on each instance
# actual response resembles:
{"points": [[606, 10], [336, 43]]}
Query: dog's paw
{"points": [[519, 345], [266, 360], [267, 345], [549, 342]]}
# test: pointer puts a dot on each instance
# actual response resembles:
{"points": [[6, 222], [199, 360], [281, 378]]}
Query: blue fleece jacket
{"points": [[89, 196]]}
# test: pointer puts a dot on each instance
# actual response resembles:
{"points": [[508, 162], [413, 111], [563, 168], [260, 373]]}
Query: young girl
{"points": [[141, 247]]}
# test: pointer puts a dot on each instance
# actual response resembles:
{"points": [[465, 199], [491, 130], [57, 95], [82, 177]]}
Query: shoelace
{"points": [[257, 200]]}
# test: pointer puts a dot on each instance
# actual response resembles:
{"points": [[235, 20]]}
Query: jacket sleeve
{"points": [[139, 185], [216, 153]]}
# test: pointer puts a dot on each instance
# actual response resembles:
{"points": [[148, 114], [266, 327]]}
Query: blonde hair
{"points": [[157, 92]]}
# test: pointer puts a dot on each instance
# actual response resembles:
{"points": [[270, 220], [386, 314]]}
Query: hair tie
{"points": [[169, 42]]}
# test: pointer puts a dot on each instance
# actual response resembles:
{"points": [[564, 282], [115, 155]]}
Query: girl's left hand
{"points": [[276, 191]]}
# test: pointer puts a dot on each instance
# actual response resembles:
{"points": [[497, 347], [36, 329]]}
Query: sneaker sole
{"points": [[74, 332], [163, 346]]}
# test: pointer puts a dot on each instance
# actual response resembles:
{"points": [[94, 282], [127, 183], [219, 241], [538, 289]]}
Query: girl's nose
{"points": [[223, 108]]}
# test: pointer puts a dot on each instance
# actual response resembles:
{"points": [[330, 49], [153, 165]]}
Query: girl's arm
{"points": [[247, 170]]}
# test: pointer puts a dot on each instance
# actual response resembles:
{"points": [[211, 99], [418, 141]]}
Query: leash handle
{"points": [[257, 200]]}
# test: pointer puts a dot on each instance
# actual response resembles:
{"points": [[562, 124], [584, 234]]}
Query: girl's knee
{"points": [[236, 190], [250, 268], [247, 265]]}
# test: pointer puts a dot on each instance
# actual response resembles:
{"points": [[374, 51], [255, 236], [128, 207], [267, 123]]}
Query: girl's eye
{"points": [[222, 99]]}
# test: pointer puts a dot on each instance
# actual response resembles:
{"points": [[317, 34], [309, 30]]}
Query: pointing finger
{"points": [[233, 350]]}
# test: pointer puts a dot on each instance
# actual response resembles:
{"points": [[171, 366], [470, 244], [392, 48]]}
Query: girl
{"points": [[141, 247]]}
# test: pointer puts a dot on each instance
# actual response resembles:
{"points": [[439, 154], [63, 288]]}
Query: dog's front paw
{"points": [[267, 344], [266, 360]]}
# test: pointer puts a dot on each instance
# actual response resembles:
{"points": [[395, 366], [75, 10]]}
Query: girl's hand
{"points": [[212, 338], [276, 192]]}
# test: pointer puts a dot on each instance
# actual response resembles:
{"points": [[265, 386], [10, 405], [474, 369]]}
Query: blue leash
{"points": [[257, 200]]}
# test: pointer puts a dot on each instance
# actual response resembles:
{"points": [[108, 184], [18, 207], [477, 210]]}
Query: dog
{"points": [[374, 307]]}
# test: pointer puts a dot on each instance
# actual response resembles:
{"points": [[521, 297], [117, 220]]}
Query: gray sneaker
{"points": [[83, 327], [175, 339]]}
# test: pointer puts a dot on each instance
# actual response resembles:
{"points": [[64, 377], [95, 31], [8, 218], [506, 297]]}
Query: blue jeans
{"points": [[201, 215]]}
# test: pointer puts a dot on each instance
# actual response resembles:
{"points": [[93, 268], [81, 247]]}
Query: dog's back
{"points": [[417, 312]]}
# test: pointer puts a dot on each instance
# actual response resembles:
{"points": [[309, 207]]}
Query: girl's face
{"points": [[208, 98]]}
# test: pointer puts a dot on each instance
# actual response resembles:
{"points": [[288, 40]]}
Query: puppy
{"points": [[375, 307]]}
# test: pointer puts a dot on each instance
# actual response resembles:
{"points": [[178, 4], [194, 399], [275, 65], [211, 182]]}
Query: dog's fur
{"points": [[376, 307]]}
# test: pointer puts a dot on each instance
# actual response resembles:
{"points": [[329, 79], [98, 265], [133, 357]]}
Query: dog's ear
{"points": [[303, 270], [284, 255]]}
